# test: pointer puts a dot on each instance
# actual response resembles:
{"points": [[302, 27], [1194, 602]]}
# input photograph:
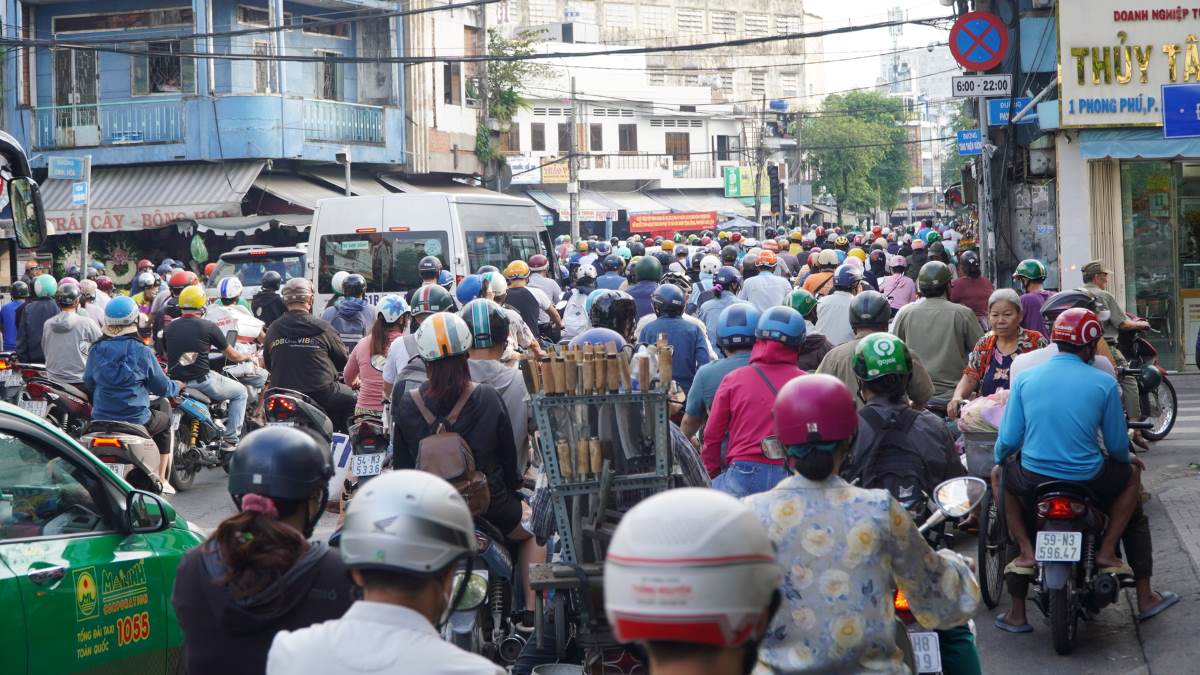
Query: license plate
{"points": [[281, 424], [119, 469], [37, 408], [367, 465], [1058, 546], [11, 377], [927, 651]]}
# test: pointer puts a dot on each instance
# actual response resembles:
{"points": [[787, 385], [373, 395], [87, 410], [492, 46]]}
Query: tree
{"points": [[951, 162], [504, 82]]}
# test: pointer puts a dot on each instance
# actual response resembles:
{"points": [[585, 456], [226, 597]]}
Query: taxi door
{"points": [[13, 655], [93, 597]]}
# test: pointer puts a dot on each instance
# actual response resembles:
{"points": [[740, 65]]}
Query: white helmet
{"points": [[338, 279], [494, 283], [709, 264], [585, 272], [146, 279], [715, 557], [827, 257], [392, 307], [407, 521], [442, 335], [230, 288]]}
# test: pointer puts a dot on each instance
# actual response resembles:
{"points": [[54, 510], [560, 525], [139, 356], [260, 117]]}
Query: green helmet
{"points": [[801, 300], [932, 236], [933, 278], [648, 269], [879, 355], [678, 237], [1030, 269]]}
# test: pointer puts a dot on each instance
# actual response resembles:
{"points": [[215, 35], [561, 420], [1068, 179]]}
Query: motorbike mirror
{"points": [[475, 593], [958, 496], [773, 449]]}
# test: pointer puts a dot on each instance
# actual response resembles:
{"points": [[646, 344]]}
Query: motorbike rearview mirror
{"points": [[773, 449], [958, 496], [474, 594]]}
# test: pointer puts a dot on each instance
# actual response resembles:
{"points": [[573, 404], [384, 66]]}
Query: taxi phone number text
{"points": [[133, 628]]}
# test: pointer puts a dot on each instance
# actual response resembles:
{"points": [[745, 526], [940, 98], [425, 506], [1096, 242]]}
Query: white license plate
{"points": [[1058, 546], [11, 378], [119, 469], [367, 465], [281, 424], [927, 651], [37, 408]]}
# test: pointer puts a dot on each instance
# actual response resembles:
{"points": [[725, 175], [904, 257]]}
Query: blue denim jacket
{"points": [[121, 374]]}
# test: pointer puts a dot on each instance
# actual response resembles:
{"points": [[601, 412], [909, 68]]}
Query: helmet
{"points": [[858, 253], [897, 262], [74, 272], [391, 308], [668, 300], [442, 335], [709, 264], [354, 286], [636, 249], [781, 324], [729, 254], [678, 237], [145, 280], [1077, 326], [735, 237], [729, 570], [120, 311], [694, 261], [766, 260], [494, 283], [1064, 300], [517, 269], [933, 278], [279, 462], [918, 244], [841, 242], [879, 355], [582, 247], [728, 278], [612, 262], [270, 280], [932, 237], [296, 291], [87, 289], [649, 269], [587, 272], [668, 245], [429, 266], [208, 269], [67, 295], [847, 276], [827, 258], [430, 299], [229, 288], [736, 325], [338, 279], [771, 245], [164, 268], [45, 286], [814, 409], [681, 251], [748, 260], [598, 336], [19, 290], [538, 263], [68, 281], [91, 273], [192, 297], [869, 308], [179, 279], [801, 300], [603, 248], [487, 322], [469, 288], [624, 253], [145, 264], [1029, 268], [615, 310], [445, 279]]}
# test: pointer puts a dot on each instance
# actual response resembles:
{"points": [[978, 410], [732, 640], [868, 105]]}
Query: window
{"points": [[250, 269], [26, 56], [452, 83], [264, 71], [788, 25], [596, 137], [691, 80], [655, 17], [161, 70], [758, 82], [496, 248], [471, 47], [756, 24], [564, 137], [789, 84], [537, 137], [150, 18], [619, 15], [328, 77], [387, 260], [46, 494], [627, 137], [726, 82], [259, 16], [543, 11], [679, 146], [312, 25], [656, 77], [690, 20], [510, 141], [727, 148], [723, 22]]}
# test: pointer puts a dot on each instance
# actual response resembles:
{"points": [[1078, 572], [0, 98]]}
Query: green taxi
{"points": [[87, 563]]}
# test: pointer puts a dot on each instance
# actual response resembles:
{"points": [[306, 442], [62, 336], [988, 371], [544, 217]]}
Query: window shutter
{"points": [[139, 71], [187, 68]]}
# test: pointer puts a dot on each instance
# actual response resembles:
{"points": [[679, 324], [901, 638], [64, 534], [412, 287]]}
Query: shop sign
{"points": [[134, 218], [739, 181], [525, 170], [588, 215], [556, 172], [1114, 58], [1181, 110], [691, 220]]}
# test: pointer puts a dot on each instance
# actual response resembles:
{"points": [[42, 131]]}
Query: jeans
{"points": [[744, 478], [221, 388]]}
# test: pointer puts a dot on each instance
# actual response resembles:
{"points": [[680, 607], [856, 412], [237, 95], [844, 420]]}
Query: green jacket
{"points": [[839, 362], [940, 333]]}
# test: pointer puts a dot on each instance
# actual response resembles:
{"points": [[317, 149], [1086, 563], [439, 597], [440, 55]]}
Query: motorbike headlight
{"points": [[1150, 378], [475, 593]]}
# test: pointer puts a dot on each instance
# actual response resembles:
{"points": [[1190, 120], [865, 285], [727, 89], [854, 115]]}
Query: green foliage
{"points": [[505, 78], [484, 149], [951, 162]]}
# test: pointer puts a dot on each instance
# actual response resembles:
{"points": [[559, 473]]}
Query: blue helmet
{"points": [[391, 308], [599, 336], [737, 324], [781, 324], [612, 263], [728, 278], [847, 276], [445, 279], [603, 248], [120, 311], [668, 300], [469, 288], [841, 255], [165, 267]]}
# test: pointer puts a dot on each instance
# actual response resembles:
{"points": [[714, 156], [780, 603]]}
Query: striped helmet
{"points": [[442, 335]]}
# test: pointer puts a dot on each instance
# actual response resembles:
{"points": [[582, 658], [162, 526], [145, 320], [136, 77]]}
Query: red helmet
{"points": [[1077, 326], [876, 231], [144, 264], [820, 230], [812, 258], [735, 237], [208, 269], [179, 279], [814, 409], [538, 262], [705, 240], [104, 283]]}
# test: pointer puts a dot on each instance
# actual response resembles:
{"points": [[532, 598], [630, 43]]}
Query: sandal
{"points": [[1168, 600], [1020, 570], [1122, 570], [1007, 627]]}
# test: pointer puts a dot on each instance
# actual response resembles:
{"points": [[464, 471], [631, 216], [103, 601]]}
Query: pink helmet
{"points": [[814, 409]]}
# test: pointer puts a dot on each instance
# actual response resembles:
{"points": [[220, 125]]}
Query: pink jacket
{"points": [[898, 289], [370, 392], [741, 409]]}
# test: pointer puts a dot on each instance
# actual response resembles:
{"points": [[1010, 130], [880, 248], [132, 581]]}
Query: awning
{"points": [[361, 182], [127, 198], [702, 200], [633, 202], [407, 184], [1131, 143], [593, 206], [244, 224], [295, 190]]}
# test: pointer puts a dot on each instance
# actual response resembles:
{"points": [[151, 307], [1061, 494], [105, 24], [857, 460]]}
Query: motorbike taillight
{"points": [[900, 602], [36, 390], [281, 407], [1060, 507], [106, 442]]}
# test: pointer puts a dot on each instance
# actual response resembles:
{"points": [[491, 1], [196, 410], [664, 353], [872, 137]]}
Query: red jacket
{"points": [[741, 409]]}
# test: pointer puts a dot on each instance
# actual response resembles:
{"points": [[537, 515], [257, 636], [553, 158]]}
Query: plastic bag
{"points": [[199, 250], [983, 414]]}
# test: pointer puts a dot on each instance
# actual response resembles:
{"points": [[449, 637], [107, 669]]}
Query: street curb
{"points": [[1165, 641]]}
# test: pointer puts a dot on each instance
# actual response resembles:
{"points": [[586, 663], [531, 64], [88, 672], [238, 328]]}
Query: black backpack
{"points": [[894, 463]]}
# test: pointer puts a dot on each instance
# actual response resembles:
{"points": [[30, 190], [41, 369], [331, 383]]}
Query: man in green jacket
{"points": [[939, 332]]}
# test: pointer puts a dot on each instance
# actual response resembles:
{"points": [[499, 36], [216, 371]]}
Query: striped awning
{"points": [[129, 198], [296, 190]]}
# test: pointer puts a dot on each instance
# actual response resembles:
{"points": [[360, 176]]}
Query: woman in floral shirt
{"points": [[989, 362], [844, 550]]}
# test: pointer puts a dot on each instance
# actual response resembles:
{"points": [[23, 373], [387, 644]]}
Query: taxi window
{"points": [[44, 495]]}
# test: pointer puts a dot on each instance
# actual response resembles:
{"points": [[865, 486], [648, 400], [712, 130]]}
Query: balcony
{"points": [[340, 122], [158, 120]]}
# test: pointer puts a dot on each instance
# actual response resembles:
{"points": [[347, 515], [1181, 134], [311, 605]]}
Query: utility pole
{"points": [[760, 162], [573, 169], [985, 193]]}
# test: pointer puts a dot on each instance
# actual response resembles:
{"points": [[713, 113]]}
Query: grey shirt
{"points": [[511, 386], [839, 362], [67, 338], [1116, 315], [941, 333]]}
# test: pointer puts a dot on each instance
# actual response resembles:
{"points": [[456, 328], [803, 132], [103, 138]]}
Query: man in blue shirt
{"points": [[611, 279], [686, 338], [9, 314], [734, 332]]}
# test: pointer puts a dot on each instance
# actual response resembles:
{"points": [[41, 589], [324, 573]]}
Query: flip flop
{"points": [[1168, 600], [1014, 568], [1011, 628], [1122, 570]]}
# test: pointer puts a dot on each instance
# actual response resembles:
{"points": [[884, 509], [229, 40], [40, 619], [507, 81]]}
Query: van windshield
{"points": [[498, 234], [387, 260]]}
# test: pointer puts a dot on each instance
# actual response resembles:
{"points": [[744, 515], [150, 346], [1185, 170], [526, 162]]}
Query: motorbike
{"points": [[370, 456], [11, 380], [198, 427], [127, 450], [287, 407], [1155, 391], [63, 405], [481, 622]]}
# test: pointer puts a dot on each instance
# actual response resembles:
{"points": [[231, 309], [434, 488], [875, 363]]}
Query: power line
{"points": [[764, 66]]}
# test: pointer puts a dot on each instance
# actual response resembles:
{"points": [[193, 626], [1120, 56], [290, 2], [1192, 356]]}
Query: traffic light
{"points": [[777, 179]]}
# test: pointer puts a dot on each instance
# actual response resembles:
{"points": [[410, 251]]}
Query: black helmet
{"points": [[283, 463], [20, 290], [694, 261], [934, 278], [73, 271], [429, 266], [270, 280], [487, 321], [729, 254], [614, 310], [664, 259], [354, 286], [668, 300], [649, 269], [869, 308], [970, 263], [728, 278], [937, 251], [1069, 299], [637, 248], [612, 263], [67, 295]]}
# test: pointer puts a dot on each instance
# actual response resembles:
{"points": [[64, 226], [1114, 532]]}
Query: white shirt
{"points": [[1039, 356], [397, 358], [551, 289], [372, 637], [765, 290], [833, 317]]}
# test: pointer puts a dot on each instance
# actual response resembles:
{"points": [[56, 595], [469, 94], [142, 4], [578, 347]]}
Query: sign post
{"points": [[1181, 110], [78, 169]]}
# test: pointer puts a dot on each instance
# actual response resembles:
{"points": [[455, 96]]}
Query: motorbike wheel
{"points": [[1168, 409], [1063, 618], [183, 465], [992, 543]]}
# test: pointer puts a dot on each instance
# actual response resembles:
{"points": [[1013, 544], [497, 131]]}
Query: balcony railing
{"points": [[157, 120], [341, 122]]}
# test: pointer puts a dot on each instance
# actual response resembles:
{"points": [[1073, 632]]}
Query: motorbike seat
{"points": [[114, 427], [73, 390], [289, 392], [197, 396], [1066, 488]]}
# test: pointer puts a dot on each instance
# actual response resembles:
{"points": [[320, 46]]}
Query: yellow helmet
{"points": [[517, 269], [192, 297], [858, 253], [722, 235], [668, 245]]}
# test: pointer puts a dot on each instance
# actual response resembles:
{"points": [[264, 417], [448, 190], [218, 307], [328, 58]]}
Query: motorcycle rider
{"points": [[765, 290], [648, 272], [1095, 281], [1031, 275], [404, 535], [364, 367], [9, 312], [352, 317], [939, 332], [816, 345], [188, 341], [539, 268], [149, 285], [729, 570], [972, 289], [67, 338], [726, 283], [122, 372], [735, 338], [229, 294], [530, 302], [612, 279], [34, 316], [404, 366], [833, 310], [266, 305], [614, 310], [257, 574], [688, 340], [820, 280], [305, 354], [489, 338]]}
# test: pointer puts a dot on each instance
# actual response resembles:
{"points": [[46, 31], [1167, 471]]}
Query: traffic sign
{"points": [[79, 193], [66, 168], [987, 86], [999, 110], [979, 41], [1181, 110], [970, 142]]}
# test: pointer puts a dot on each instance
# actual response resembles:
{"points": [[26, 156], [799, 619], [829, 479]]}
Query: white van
{"points": [[384, 237]]}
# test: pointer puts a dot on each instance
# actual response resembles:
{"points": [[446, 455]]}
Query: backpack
{"points": [[413, 373], [893, 463], [350, 329], [444, 453], [575, 318]]}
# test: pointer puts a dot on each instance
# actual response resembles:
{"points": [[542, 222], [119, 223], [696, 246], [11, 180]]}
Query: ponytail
{"points": [[256, 547], [717, 289]]}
